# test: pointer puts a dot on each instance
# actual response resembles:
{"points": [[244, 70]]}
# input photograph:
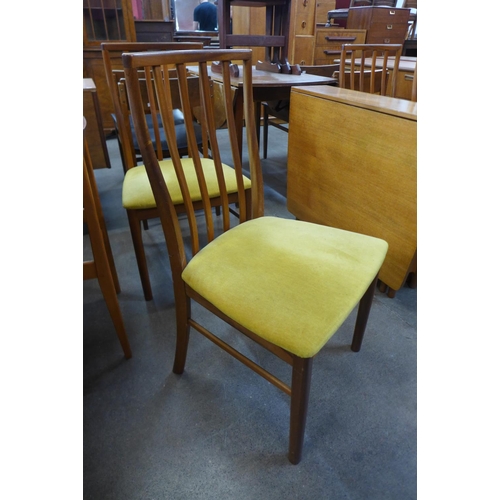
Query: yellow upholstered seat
{"points": [[137, 193], [297, 281]]}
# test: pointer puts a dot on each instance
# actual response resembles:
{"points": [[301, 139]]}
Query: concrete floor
{"points": [[219, 431]]}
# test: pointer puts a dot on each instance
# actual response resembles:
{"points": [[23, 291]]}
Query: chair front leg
{"points": [[301, 382], [364, 307]]}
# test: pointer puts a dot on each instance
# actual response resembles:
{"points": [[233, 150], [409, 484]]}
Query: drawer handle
{"points": [[387, 40], [305, 3], [392, 12], [409, 77], [345, 39], [389, 26], [304, 24], [332, 52]]}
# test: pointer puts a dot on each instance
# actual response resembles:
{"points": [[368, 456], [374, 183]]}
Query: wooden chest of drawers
{"points": [[329, 42], [383, 24]]}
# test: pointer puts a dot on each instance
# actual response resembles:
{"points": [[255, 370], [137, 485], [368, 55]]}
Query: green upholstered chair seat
{"points": [[137, 193], [290, 282]]}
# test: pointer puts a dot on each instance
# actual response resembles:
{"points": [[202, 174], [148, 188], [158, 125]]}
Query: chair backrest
{"points": [[155, 124], [353, 64], [153, 67], [113, 68]]}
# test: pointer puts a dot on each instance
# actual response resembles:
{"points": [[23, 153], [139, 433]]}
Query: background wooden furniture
{"points": [[94, 130], [275, 39], [102, 265], [329, 41], [266, 86], [382, 24], [276, 113], [302, 27], [115, 21], [361, 170], [152, 30], [412, 5]]}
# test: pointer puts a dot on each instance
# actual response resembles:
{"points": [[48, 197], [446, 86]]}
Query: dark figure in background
{"points": [[205, 16]]}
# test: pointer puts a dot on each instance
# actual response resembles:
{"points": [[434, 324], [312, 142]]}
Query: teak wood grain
{"points": [[360, 172]]}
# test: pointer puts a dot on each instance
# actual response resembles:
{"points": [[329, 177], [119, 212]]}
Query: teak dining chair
{"points": [[137, 197], [375, 79], [287, 285], [102, 265]]}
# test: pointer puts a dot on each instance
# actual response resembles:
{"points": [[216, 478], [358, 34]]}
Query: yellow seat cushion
{"points": [[137, 193], [292, 283]]}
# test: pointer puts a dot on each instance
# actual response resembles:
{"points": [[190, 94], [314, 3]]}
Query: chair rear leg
{"points": [[364, 307], [183, 314], [140, 255], [301, 382]]}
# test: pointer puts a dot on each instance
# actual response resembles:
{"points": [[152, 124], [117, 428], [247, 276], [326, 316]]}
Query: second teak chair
{"points": [[137, 197], [287, 285]]}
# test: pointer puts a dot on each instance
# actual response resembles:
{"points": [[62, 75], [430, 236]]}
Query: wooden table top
{"points": [[384, 104], [269, 79]]}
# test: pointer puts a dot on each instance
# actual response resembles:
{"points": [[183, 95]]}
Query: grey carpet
{"points": [[219, 431]]}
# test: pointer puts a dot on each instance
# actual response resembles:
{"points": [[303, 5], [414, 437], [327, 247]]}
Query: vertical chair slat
{"points": [[164, 97], [206, 95], [257, 188], [154, 115], [186, 109], [233, 139]]}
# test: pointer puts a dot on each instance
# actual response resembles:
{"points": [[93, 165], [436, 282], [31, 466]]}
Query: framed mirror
{"points": [[184, 14]]}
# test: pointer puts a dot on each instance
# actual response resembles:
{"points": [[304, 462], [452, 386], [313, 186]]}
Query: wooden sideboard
{"points": [[382, 24], [352, 164], [329, 42]]}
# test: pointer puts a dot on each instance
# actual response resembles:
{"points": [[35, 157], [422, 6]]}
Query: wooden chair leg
{"points": [[364, 307], [107, 285], [100, 216], [140, 254], [265, 131], [100, 267], [301, 382], [412, 280], [382, 287], [183, 314], [391, 293]]}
